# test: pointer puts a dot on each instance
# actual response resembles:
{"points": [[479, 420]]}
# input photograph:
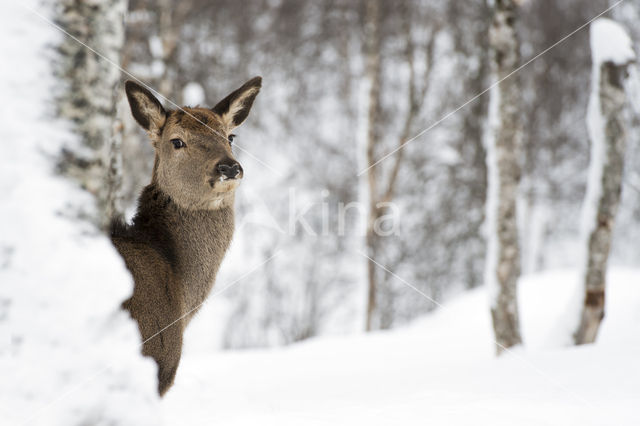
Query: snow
{"points": [[439, 370], [69, 355], [610, 42]]}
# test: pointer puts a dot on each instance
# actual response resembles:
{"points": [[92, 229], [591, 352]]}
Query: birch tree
{"points": [[612, 53], [90, 96], [372, 57], [503, 258]]}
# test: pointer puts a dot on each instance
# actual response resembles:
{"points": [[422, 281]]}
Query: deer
{"points": [[184, 221]]}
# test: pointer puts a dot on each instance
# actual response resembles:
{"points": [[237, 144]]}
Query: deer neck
{"points": [[200, 239]]}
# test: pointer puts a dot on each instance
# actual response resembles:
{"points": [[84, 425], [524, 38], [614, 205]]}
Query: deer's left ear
{"points": [[235, 108]]}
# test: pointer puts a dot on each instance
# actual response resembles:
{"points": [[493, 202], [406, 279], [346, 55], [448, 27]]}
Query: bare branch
{"points": [[416, 101]]}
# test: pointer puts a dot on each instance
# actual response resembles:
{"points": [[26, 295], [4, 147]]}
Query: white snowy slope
{"points": [[68, 354], [440, 371]]}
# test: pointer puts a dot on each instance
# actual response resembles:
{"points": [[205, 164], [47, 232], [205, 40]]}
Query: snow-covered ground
{"points": [[440, 370]]}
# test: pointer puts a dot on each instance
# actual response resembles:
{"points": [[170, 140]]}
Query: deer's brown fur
{"points": [[185, 219]]}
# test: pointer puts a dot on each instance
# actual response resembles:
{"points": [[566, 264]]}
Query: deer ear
{"points": [[146, 109], [235, 108]]}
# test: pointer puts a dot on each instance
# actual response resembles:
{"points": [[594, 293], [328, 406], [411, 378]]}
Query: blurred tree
{"points": [[608, 145], [503, 260], [90, 95], [382, 187], [554, 139], [372, 53], [469, 26]]}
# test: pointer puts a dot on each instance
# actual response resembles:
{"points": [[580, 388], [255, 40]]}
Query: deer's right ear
{"points": [[146, 109]]}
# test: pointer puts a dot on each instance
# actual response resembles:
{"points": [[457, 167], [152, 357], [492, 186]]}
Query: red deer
{"points": [[185, 217]]}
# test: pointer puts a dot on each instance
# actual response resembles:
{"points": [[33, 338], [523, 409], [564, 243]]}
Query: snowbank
{"points": [[441, 370], [70, 355]]}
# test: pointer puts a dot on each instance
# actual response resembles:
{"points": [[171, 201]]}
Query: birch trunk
{"points": [[372, 49], [503, 264], [91, 93], [606, 128], [114, 203]]}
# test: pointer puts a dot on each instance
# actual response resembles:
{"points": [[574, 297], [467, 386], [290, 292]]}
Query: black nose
{"points": [[230, 169]]}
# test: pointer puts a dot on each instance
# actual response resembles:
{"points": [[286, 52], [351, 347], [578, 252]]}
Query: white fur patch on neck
{"points": [[216, 203]]}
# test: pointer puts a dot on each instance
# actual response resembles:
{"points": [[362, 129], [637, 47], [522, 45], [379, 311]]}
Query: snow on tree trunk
{"points": [[503, 258], [91, 93], [612, 53]]}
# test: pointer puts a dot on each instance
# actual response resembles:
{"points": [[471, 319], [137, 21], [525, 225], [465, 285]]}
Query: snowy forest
{"points": [[437, 212]]}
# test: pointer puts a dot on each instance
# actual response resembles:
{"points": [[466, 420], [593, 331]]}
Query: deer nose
{"points": [[229, 169]]}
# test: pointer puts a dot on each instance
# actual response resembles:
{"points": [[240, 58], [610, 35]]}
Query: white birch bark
{"points": [[91, 93], [503, 146], [612, 53]]}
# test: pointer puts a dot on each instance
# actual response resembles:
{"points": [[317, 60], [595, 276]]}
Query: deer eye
{"points": [[177, 143], [231, 136]]}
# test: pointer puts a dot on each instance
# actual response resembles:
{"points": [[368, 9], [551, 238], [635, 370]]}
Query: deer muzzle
{"points": [[229, 169]]}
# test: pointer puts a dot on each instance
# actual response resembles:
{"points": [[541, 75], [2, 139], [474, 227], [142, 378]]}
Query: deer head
{"points": [[194, 164]]}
